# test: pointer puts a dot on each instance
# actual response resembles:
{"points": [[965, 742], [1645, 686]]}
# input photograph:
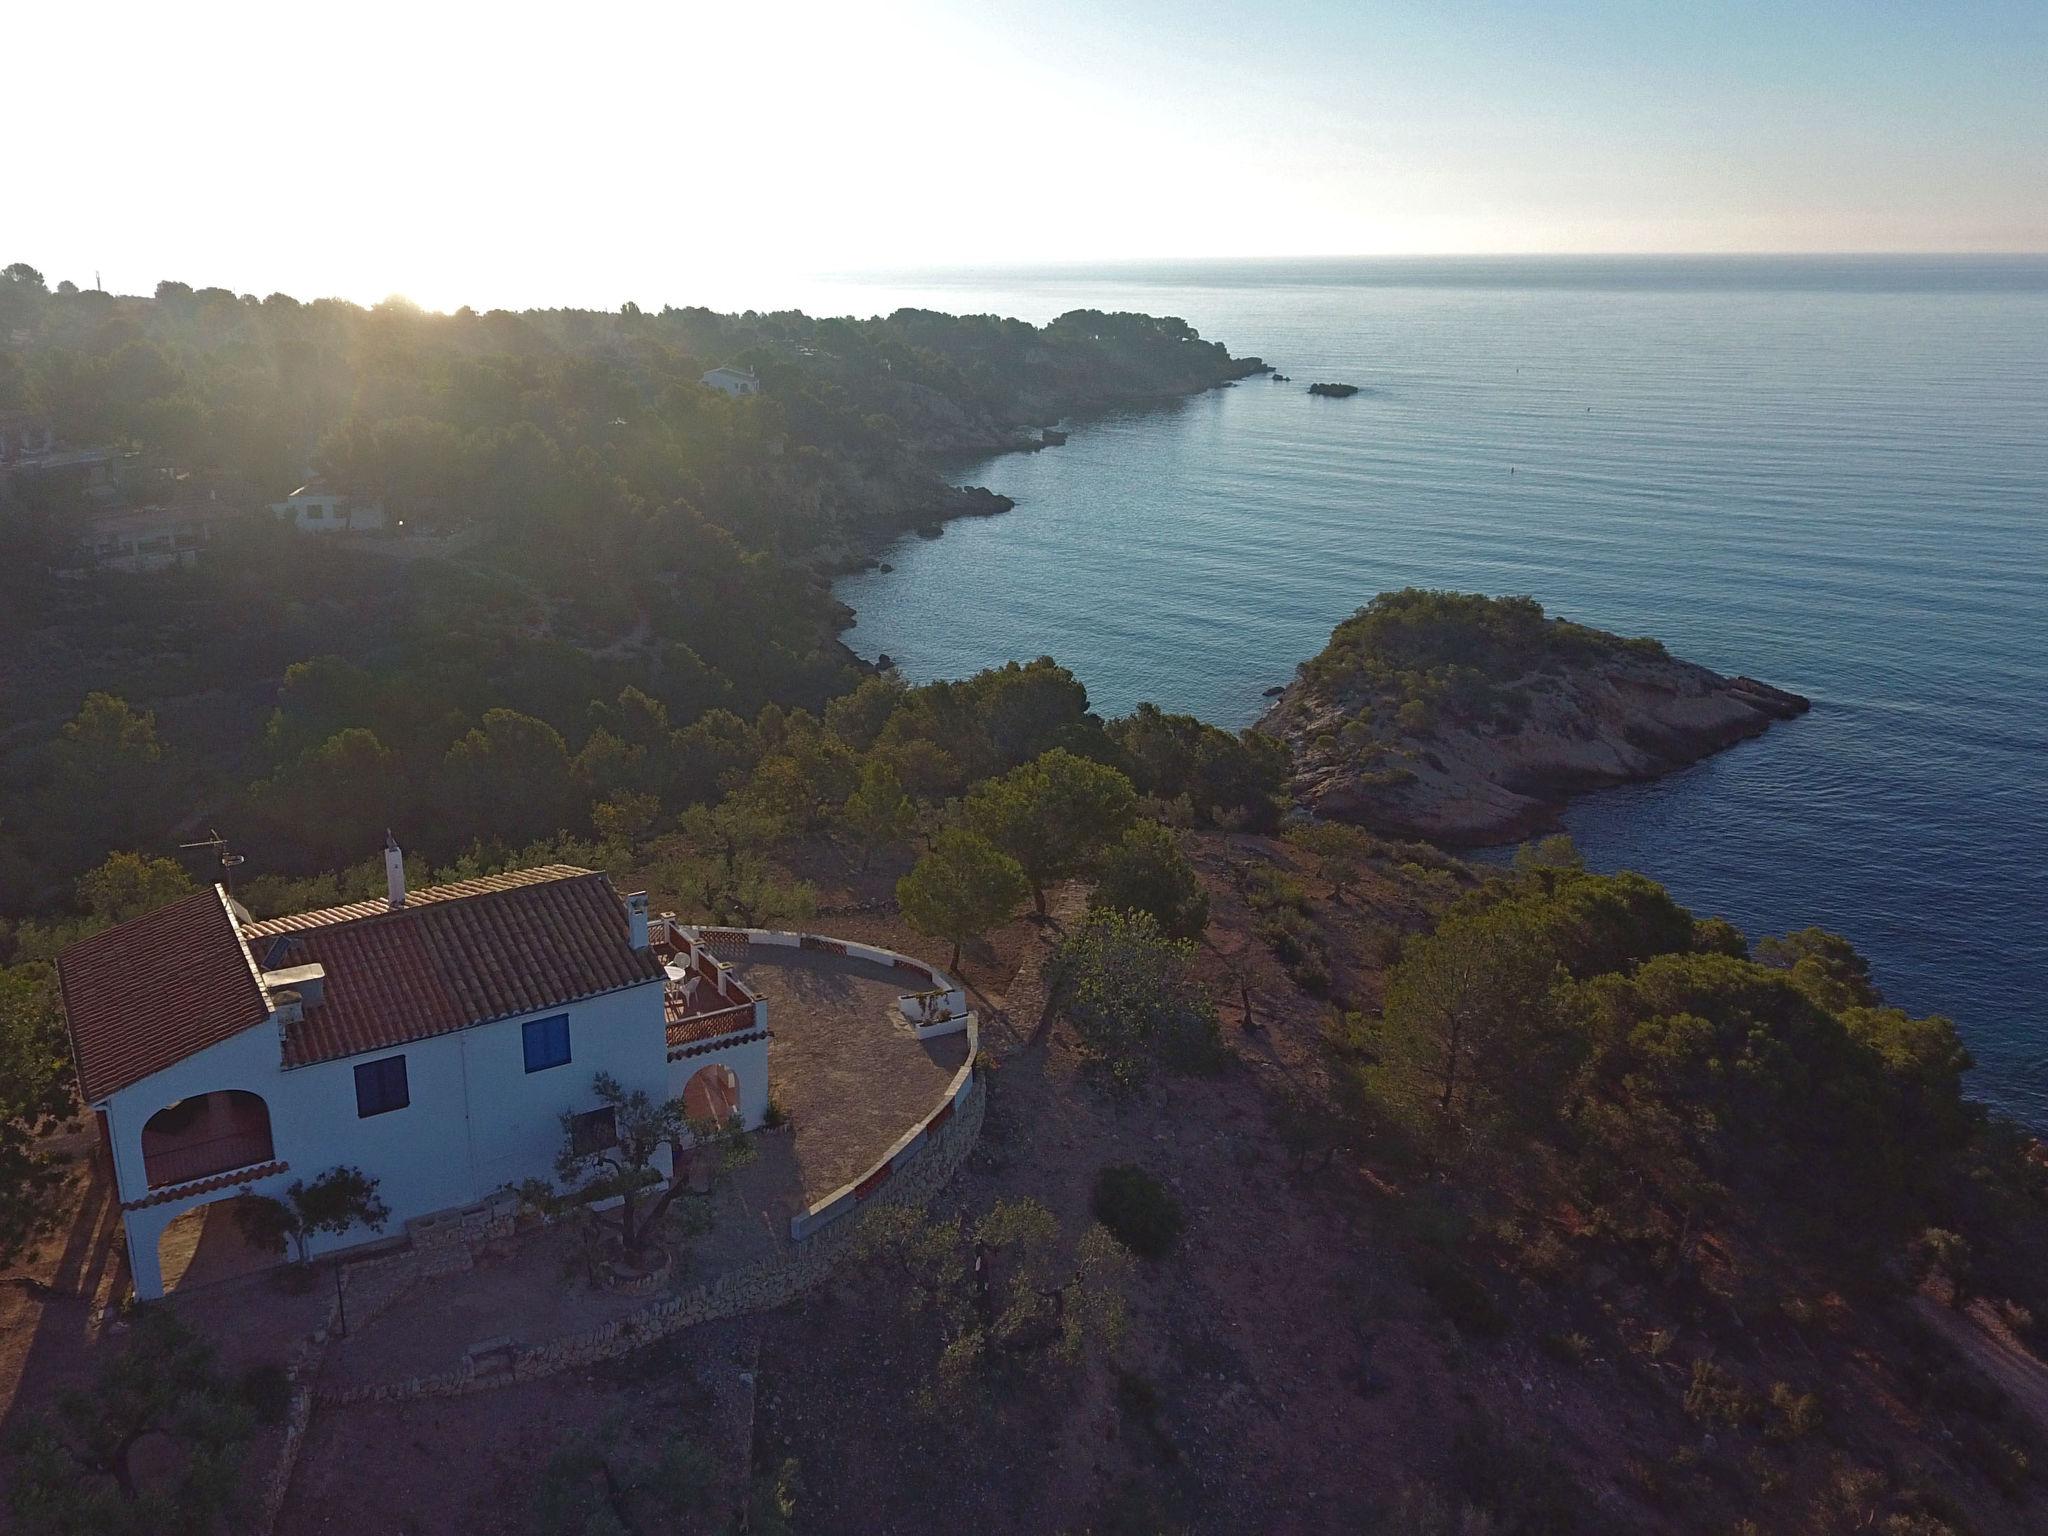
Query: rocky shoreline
{"points": [[926, 509], [1494, 753]]}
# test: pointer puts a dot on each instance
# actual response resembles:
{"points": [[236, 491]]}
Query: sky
{"points": [[515, 155]]}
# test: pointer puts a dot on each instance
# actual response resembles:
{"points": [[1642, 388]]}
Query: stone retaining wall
{"points": [[924, 1171], [373, 1285]]}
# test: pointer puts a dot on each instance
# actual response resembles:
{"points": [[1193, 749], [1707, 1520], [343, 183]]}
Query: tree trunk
{"points": [[1450, 1065], [123, 1473], [1038, 898], [954, 965]]}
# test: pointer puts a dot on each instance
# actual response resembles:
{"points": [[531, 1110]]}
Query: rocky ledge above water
{"points": [[1468, 720]]}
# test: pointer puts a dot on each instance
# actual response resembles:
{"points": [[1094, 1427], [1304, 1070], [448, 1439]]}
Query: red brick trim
{"points": [[939, 1117], [718, 1044], [247, 1175], [871, 1183]]}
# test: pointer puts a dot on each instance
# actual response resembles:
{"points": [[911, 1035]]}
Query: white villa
{"points": [[317, 507], [732, 381], [433, 1040]]}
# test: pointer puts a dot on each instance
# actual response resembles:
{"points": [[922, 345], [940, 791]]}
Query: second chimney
{"points": [[394, 871]]}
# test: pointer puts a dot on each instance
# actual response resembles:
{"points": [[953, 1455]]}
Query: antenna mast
{"points": [[219, 845]]}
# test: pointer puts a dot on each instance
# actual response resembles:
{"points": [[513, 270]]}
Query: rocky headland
{"points": [[1469, 720]]}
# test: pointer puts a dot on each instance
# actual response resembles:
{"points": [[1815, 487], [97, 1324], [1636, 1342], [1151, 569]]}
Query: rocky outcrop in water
{"points": [[1468, 720]]}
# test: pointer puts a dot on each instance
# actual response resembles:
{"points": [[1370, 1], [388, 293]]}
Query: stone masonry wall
{"points": [[756, 1288]]}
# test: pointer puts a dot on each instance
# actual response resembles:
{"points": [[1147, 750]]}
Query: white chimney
{"points": [[394, 871], [636, 919]]}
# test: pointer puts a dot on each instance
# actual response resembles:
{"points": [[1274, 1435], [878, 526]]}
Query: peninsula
{"points": [[1468, 719]]}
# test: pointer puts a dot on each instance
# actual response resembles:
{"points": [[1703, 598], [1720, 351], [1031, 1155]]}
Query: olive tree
{"points": [[81, 1468], [610, 1153]]}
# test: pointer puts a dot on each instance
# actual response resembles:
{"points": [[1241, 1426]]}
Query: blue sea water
{"points": [[1831, 474]]}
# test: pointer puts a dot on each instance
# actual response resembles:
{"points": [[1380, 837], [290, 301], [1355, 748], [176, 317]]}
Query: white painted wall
{"points": [[330, 512], [749, 1063], [477, 1119]]}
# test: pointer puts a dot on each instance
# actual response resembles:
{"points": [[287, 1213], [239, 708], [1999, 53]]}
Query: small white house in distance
{"points": [[434, 1041], [317, 507], [732, 381]]}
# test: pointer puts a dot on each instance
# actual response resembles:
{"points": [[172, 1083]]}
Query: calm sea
{"points": [[1831, 474]]}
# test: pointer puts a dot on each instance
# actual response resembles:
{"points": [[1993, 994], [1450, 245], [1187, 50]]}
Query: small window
{"points": [[380, 1087], [547, 1043], [593, 1131]]}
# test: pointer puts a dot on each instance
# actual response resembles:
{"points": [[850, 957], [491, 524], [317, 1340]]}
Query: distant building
{"points": [[733, 381], [317, 507], [31, 448], [23, 436], [153, 538]]}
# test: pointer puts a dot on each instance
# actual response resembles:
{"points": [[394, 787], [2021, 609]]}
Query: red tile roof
{"points": [[455, 890], [150, 992], [453, 956]]}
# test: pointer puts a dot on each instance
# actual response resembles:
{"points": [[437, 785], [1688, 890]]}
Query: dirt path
{"points": [[1981, 1337]]}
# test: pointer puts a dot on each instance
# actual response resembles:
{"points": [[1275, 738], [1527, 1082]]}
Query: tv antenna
{"points": [[219, 845]]}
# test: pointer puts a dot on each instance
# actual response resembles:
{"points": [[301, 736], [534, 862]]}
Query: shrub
{"points": [[1462, 1297], [1147, 872], [1139, 1211], [1793, 1415], [1131, 994], [267, 1391], [1716, 1396], [1518, 1481], [1571, 1348]]}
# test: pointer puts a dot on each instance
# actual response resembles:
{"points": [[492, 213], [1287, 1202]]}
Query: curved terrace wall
{"points": [[770, 1283], [848, 1197]]}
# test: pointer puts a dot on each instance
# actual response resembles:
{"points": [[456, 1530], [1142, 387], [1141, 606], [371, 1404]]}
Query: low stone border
{"points": [[439, 1248], [756, 1288]]}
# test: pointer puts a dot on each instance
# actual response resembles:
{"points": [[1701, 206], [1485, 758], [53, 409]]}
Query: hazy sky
{"points": [[506, 154]]}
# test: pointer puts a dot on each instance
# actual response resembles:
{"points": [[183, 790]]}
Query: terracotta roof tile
{"points": [[148, 993], [455, 890], [453, 956]]}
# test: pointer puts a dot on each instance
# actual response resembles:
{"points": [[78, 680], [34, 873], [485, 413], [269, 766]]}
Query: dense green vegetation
{"points": [[613, 597], [1408, 656], [1674, 1080]]}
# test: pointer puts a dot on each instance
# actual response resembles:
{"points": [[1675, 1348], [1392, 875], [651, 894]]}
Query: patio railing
{"points": [[197, 1159]]}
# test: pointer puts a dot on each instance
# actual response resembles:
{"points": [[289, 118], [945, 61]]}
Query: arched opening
{"points": [[206, 1245], [207, 1134], [713, 1093]]}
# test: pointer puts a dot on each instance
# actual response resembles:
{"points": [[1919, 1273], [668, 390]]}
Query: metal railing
{"points": [[198, 1159]]}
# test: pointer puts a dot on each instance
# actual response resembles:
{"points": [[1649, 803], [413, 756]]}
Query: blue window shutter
{"points": [[381, 1087], [547, 1042]]}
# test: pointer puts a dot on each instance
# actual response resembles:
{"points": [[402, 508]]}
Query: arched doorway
{"points": [[206, 1134], [206, 1245], [713, 1093]]}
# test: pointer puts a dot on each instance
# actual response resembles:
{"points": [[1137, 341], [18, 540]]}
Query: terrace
{"points": [[702, 998]]}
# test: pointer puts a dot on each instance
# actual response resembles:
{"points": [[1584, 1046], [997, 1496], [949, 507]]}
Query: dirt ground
{"points": [[844, 1064]]}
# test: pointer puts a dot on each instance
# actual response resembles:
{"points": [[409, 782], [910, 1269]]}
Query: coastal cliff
{"points": [[1468, 720], [946, 388]]}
